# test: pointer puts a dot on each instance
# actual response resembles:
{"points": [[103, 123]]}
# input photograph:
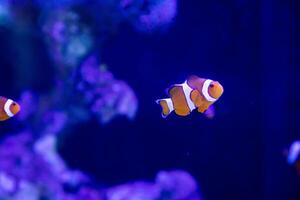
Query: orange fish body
{"points": [[194, 93], [8, 108]]}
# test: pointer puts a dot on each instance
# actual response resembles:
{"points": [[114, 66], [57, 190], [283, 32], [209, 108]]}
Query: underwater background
{"points": [[87, 73]]}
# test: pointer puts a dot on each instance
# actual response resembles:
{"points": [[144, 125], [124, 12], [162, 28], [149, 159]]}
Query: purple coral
{"points": [[137, 190], [28, 103], [92, 73], [107, 96], [7, 183], [23, 166], [179, 184], [172, 185], [69, 40], [55, 122], [29, 170], [161, 13]]}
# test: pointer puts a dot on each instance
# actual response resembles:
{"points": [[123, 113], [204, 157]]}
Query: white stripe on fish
{"points": [[187, 93], [205, 93], [7, 107]]}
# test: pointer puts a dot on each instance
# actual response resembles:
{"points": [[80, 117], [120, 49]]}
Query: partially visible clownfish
{"points": [[194, 93], [8, 108]]}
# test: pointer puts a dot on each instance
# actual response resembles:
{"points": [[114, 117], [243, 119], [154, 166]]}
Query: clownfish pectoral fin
{"points": [[203, 108], [166, 105]]}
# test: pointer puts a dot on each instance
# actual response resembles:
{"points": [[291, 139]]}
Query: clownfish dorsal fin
{"points": [[192, 77], [174, 89]]}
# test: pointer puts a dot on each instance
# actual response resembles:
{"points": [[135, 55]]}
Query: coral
{"points": [[108, 97], [69, 40], [160, 14], [83, 88], [172, 185]]}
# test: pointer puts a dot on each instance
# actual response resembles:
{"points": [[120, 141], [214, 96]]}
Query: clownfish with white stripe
{"points": [[194, 93], [8, 108]]}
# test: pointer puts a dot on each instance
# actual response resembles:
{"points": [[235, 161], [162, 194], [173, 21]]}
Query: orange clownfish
{"points": [[194, 93], [8, 108]]}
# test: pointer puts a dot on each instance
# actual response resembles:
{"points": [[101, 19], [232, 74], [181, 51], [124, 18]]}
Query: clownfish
{"points": [[8, 108], [194, 93]]}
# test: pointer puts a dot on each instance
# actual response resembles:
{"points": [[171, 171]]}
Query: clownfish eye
{"points": [[14, 104], [211, 85]]}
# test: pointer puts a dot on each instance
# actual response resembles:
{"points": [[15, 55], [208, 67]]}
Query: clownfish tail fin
{"points": [[166, 105]]}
